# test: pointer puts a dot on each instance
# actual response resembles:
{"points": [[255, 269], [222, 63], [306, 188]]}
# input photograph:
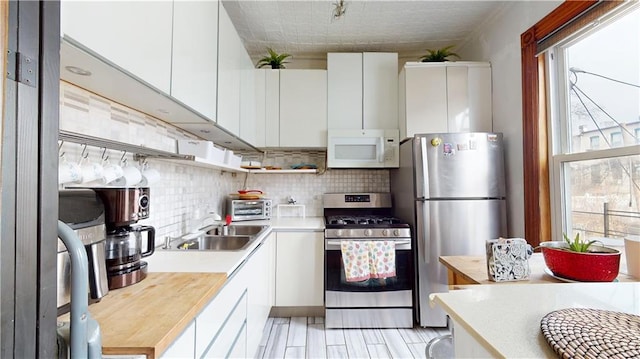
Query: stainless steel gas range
{"points": [[378, 301]]}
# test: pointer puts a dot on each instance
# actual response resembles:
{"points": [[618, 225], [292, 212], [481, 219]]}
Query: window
{"points": [[616, 139], [594, 96]]}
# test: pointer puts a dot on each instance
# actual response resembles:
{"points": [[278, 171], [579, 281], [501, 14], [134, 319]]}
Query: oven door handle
{"points": [[335, 244]]}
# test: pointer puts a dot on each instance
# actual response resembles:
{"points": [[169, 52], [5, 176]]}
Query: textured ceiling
{"points": [[307, 29]]}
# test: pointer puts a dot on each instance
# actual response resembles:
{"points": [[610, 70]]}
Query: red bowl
{"points": [[600, 264]]}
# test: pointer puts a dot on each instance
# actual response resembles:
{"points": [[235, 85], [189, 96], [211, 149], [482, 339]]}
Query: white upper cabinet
{"points": [[380, 90], [272, 108], [344, 96], [267, 97], [291, 108], [230, 50], [445, 97], [248, 108], [362, 90], [303, 108], [195, 55], [135, 35]]}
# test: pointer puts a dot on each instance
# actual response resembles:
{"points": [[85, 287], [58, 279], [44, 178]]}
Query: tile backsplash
{"points": [[187, 192]]}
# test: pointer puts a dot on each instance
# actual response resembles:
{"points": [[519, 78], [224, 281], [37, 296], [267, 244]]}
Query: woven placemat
{"points": [[592, 333]]}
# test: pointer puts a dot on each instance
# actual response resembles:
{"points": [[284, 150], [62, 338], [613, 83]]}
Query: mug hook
{"points": [[84, 153]]}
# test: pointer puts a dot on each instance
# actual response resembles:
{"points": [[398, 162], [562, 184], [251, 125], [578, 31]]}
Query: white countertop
{"points": [[505, 319], [225, 261], [282, 224]]}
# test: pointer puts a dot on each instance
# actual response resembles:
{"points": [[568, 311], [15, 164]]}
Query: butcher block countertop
{"points": [[147, 317], [473, 270]]}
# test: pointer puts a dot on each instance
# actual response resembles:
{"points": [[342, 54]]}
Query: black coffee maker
{"points": [[124, 207]]}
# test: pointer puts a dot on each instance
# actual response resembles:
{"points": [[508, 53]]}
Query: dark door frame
{"points": [[29, 181]]}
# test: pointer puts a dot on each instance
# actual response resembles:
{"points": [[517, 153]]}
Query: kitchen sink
{"points": [[219, 238], [217, 243], [235, 230]]}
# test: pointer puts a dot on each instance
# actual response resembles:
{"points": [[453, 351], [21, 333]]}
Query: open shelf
{"points": [[283, 171], [144, 152]]}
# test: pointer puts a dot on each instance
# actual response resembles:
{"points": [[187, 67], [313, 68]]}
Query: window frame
{"points": [[536, 144], [560, 152]]}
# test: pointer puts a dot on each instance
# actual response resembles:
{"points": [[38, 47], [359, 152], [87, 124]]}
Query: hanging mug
{"points": [[68, 172], [112, 172]]}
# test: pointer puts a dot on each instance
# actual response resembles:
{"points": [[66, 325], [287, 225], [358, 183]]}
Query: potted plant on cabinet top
{"points": [[275, 60], [580, 260], [439, 55]]}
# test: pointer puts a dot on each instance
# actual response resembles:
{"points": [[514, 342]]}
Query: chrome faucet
{"points": [[212, 217]]}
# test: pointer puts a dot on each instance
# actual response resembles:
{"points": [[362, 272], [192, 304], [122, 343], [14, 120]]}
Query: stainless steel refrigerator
{"points": [[450, 187]]}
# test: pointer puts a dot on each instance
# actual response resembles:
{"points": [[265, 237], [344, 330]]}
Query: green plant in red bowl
{"points": [[581, 261]]}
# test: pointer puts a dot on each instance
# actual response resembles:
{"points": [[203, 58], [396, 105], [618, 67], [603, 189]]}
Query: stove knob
{"points": [[385, 232], [339, 232], [368, 232], [396, 232]]}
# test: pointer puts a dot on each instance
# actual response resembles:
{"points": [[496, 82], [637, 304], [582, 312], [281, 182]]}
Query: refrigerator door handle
{"points": [[423, 231], [422, 181]]}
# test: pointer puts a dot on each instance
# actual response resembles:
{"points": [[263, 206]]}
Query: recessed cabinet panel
{"points": [[426, 100], [303, 108], [457, 99], [248, 119], [445, 97], [344, 80], [261, 285], [299, 269], [229, 59], [480, 104], [272, 108], [362, 90], [195, 55], [380, 94], [135, 35]]}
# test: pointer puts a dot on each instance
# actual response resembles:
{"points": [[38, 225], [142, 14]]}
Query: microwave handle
{"points": [[381, 149]]}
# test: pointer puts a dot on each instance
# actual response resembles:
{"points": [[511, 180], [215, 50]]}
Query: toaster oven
{"points": [[248, 209]]}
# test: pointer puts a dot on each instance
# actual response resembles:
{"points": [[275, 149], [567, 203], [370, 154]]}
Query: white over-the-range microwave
{"points": [[348, 148]]}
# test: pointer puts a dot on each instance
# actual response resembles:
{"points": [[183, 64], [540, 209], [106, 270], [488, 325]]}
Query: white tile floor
{"points": [[306, 337]]}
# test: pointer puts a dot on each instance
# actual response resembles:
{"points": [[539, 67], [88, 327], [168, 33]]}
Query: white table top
{"points": [[505, 319]]}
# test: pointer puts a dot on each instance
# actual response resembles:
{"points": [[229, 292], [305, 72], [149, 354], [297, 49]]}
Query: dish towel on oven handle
{"points": [[382, 259], [363, 260], [355, 258]]}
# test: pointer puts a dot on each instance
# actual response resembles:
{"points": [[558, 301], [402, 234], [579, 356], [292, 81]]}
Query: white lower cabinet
{"points": [[260, 278], [232, 332], [239, 348], [465, 345], [231, 325], [213, 319], [299, 269], [285, 270], [183, 346]]}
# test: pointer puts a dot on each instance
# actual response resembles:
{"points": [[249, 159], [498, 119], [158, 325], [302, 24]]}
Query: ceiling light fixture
{"points": [[340, 8], [78, 70]]}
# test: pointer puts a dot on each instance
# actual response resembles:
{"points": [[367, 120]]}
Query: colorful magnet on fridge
{"points": [[448, 149], [435, 142]]}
